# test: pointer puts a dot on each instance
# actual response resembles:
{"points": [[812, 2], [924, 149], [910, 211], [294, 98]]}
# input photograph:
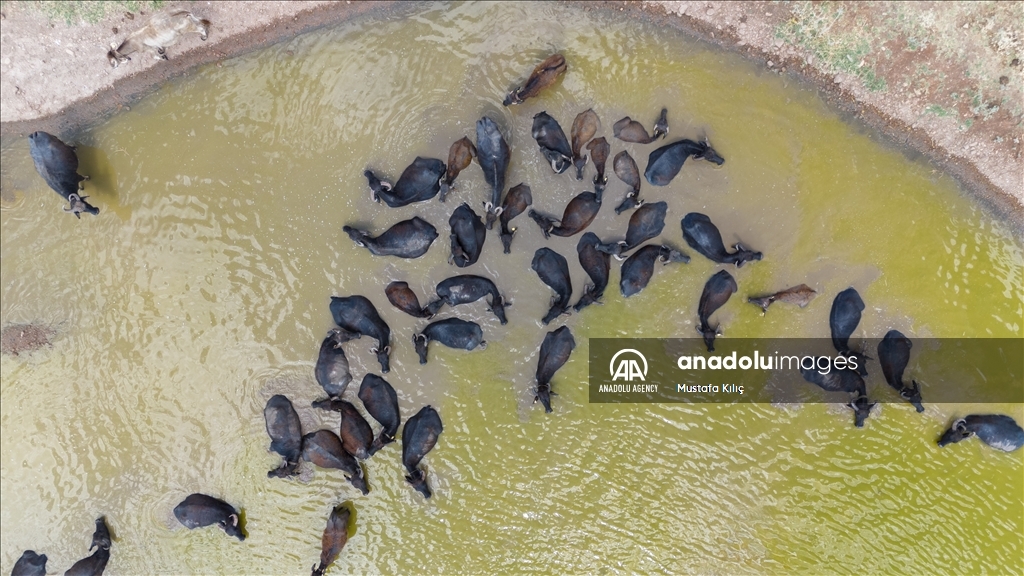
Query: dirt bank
{"points": [[943, 79], [56, 76]]}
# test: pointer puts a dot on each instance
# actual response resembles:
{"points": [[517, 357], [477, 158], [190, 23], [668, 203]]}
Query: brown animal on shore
{"points": [[161, 31], [543, 76]]}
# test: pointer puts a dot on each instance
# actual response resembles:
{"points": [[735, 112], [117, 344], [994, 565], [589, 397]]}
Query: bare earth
{"points": [[941, 78]]}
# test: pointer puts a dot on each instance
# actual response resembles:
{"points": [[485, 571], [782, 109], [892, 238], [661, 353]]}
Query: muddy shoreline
{"points": [[990, 174]]}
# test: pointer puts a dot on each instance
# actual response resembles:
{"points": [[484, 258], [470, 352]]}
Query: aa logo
{"points": [[624, 365]]}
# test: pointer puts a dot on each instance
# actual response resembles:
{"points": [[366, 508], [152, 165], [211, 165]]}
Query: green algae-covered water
{"points": [[203, 286]]}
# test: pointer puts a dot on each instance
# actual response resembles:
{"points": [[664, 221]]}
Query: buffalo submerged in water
{"points": [[95, 564], [893, 355], [554, 146], [703, 236], [452, 332], [30, 564], [578, 214], [644, 224], [584, 128], [460, 156], [285, 433], [402, 297], [199, 510], [469, 288], [407, 239], [629, 130], [418, 438], [717, 291], [638, 269], [357, 315], [842, 321], [597, 265], [57, 163], [335, 537], [626, 170], [324, 449], [544, 75], [553, 270], [467, 236], [381, 403], [493, 153], [997, 430], [554, 353], [518, 199], [356, 434], [331, 368], [664, 163], [420, 181]]}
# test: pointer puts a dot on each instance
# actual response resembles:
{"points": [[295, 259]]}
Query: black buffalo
{"points": [[554, 353], [893, 355], [518, 199], [95, 564], [554, 146], [467, 236], [842, 321], [717, 291], [331, 369], [638, 269], [57, 163], [841, 380], [357, 315], [285, 433], [198, 510], [407, 239], [452, 332], [664, 163], [420, 181], [703, 236], [469, 288], [419, 437], [493, 154], [381, 403], [997, 430], [554, 271], [30, 564], [644, 224], [597, 265]]}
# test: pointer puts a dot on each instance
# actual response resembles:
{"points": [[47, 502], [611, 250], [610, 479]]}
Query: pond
{"points": [[202, 288]]}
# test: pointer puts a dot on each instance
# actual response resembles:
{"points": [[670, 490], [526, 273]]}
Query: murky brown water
{"points": [[202, 289]]}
